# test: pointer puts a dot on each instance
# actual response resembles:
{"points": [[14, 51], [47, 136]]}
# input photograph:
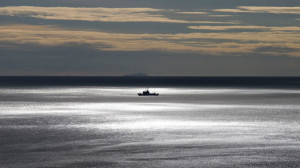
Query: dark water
{"points": [[260, 82], [100, 126]]}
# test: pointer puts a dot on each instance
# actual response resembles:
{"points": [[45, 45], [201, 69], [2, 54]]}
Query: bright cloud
{"points": [[99, 14], [89, 14], [193, 13], [209, 43], [262, 9], [291, 28]]}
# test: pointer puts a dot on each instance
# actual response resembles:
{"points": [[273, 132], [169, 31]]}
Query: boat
{"points": [[147, 93]]}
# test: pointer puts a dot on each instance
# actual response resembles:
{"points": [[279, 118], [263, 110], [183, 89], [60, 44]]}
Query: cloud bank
{"points": [[262, 9], [117, 37], [101, 14], [199, 43], [290, 28], [89, 14]]}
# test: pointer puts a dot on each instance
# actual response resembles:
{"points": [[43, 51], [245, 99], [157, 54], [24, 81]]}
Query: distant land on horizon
{"points": [[137, 74]]}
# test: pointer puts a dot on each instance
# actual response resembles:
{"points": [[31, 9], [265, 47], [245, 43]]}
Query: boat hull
{"points": [[152, 94]]}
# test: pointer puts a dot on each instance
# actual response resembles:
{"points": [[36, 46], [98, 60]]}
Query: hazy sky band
{"points": [[261, 31]]}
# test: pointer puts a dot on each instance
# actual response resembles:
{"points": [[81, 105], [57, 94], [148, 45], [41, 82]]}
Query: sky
{"points": [[155, 37]]}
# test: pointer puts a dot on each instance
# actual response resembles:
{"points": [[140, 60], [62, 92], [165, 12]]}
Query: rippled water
{"points": [[183, 127]]}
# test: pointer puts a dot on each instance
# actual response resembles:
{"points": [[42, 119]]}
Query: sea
{"points": [[98, 122]]}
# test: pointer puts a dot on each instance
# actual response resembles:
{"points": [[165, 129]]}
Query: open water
{"points": [[85, 127]]}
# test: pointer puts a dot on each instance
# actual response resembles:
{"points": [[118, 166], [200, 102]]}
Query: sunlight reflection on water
{"points": [[184, 127]]}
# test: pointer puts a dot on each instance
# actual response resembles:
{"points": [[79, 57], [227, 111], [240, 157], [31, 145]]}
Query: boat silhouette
{"points": [[147, 93]]}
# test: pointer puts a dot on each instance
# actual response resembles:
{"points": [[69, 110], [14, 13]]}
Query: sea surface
{"points": [[102, 126]]}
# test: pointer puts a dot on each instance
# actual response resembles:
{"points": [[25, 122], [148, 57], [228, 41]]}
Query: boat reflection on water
{"points": [[147, 93]]}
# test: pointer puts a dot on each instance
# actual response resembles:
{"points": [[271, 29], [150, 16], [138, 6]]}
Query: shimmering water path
{"points": [[183, 127]]}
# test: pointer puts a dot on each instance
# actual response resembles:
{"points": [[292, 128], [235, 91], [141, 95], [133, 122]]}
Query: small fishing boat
{"points": [[147, 93]]}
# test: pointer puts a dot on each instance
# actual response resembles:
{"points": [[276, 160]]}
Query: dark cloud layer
{"points": [[278, 49]]}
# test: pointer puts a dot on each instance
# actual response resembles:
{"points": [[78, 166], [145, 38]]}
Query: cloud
{"points": [[262, 9], [225, 27], [99, 14], [193, 13], [289, 28], [89, 14], [277, 49], [220, 15], [197, 43]]}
